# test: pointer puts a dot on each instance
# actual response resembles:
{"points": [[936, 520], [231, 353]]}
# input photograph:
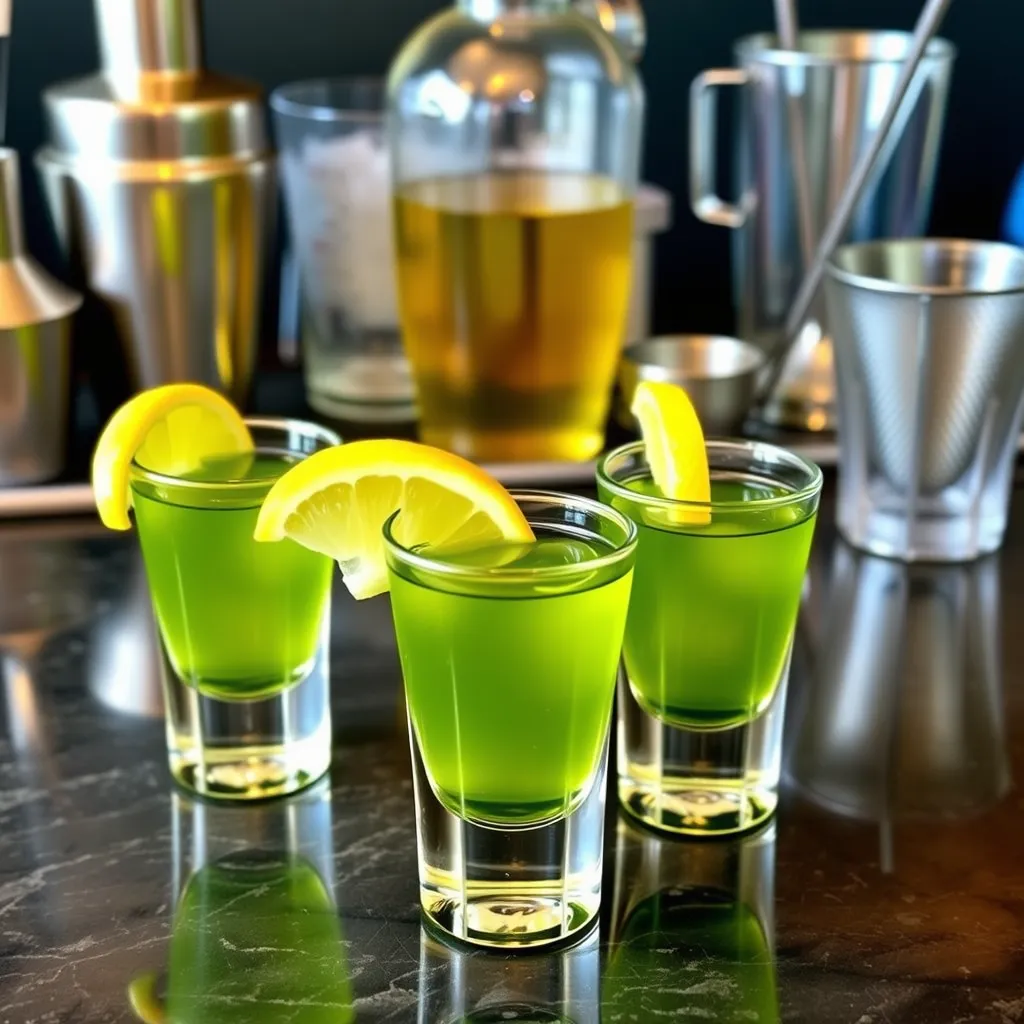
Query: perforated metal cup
{"points": [[929, 353]]}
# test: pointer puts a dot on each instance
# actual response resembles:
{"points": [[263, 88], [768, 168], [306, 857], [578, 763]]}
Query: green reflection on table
{"points": [[256, 938], [691, 953]]}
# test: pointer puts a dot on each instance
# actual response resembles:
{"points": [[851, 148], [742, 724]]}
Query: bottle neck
{"points": [[488, 10]]}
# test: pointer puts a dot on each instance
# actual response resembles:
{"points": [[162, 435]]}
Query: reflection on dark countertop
{"points": [[902, 712], [891, 888], [692, 933], [255, 934]]}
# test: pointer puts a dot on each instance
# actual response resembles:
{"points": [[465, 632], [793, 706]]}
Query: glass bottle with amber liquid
{"points": [[515, 131]]}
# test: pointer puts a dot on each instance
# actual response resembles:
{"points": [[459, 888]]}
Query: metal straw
{"points": [[788, 28], [927, 25], [787, 24]]}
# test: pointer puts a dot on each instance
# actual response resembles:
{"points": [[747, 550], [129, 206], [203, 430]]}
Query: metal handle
{"points": [[705, 201]]}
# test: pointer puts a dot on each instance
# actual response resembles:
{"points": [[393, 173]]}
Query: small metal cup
{"points": [[719, 374], [927, 337]]}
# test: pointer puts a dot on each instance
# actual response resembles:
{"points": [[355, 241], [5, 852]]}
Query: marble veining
{"points": [[890, 891]]}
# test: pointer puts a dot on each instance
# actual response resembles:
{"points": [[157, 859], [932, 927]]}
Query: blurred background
{"points": [[276, 41]]}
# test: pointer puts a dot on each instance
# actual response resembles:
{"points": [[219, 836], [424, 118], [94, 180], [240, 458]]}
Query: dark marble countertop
{"points": [[890, 890]]}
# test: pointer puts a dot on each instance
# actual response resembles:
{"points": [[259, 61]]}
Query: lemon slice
{"points": [[674, 442], [337, 501], [169, 429], [143, 998]]}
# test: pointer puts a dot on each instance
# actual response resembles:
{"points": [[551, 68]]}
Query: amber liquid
{"points": [[513, 291]]}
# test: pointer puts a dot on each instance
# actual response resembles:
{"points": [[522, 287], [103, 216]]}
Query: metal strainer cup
{"points": [[929, 353]]}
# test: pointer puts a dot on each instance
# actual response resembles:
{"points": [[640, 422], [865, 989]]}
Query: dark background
{"points": [[274, 41]]}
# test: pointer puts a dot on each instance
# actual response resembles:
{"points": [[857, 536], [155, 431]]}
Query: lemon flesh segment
{"points": [[674, 443], [169, 429], [337, 501]]}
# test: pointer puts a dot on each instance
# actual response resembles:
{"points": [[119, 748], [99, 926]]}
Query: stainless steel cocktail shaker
{"points": [[162, 188]]}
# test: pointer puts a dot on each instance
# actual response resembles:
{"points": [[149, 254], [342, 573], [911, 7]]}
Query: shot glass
{"points": [[702, 913], [244, 627], [509, 657], [711, 620]]}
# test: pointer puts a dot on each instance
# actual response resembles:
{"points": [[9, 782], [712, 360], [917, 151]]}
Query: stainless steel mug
{"points": [[805, 117]]}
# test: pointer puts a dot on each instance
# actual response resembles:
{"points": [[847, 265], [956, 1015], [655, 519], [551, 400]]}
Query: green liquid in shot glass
{"points": [[240, 620], [713, 607], [510, 696]]}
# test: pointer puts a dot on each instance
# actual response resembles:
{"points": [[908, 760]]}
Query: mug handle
{"points": [[704, 200]]}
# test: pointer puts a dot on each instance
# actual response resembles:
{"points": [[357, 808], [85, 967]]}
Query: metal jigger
{"points": [[35, 344]]}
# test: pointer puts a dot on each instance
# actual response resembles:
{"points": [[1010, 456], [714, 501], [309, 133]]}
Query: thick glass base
{"points": [[362, 379], [249, 749], [510, 888], [699, 782]]}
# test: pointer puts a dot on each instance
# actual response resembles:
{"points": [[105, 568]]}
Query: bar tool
{"points": [[931, 393], [827, 99], [920, 45], [719, 374], [162, 188], [35, 349]]}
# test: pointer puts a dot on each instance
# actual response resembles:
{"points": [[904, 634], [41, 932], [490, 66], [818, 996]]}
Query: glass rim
{"points": [[501, 574], [813, 487], [286, 99], [919, 248], [764, 48], [285, 424]]}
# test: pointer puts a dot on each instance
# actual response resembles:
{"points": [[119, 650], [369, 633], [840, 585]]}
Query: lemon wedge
{"points": [[337, 501], [169, 429], [674, 442]]}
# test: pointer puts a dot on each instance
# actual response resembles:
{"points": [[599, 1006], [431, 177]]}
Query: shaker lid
{"points": [[199, 117], [154, 100]]}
